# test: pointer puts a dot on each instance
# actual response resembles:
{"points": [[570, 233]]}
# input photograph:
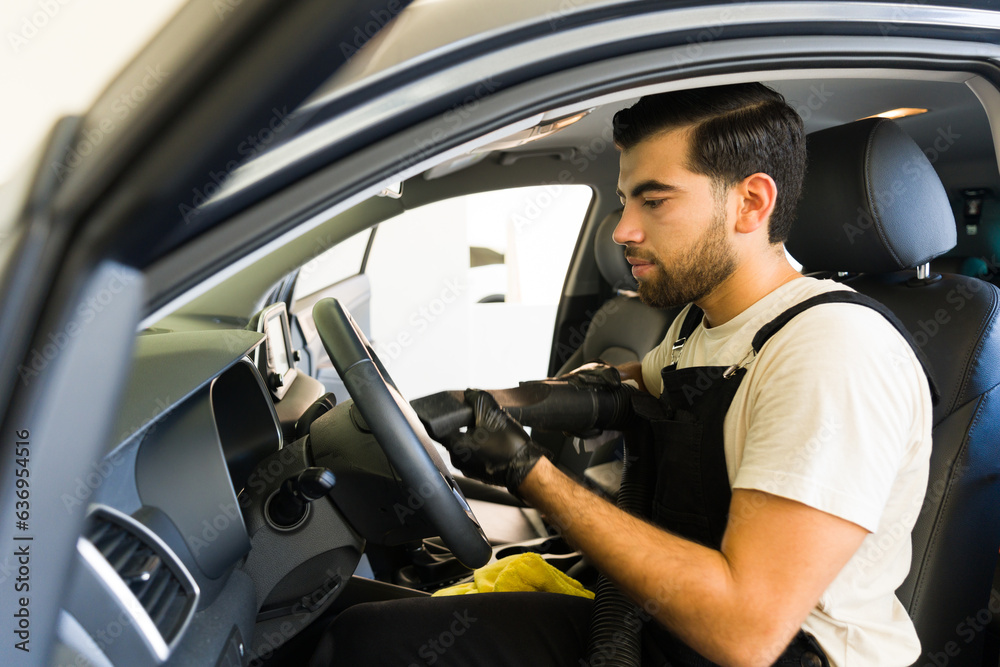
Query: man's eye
{"points": [[652, 203]]}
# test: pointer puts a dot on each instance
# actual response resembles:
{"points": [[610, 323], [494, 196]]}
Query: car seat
{"points": [[874, 212], [622, 330]]}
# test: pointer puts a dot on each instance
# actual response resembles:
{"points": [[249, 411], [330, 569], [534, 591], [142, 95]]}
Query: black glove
{"points": [[496, 450], [594, 374]]}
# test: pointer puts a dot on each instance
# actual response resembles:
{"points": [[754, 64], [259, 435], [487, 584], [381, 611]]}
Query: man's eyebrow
{"points": [[650, 185]]}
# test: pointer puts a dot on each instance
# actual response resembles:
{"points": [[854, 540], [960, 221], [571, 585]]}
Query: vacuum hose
{"points": [[548, 405], [616, 623]]}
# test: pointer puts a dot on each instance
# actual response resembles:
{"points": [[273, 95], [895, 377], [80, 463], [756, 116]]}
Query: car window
{"points": [[464, 291], [341, 261]]}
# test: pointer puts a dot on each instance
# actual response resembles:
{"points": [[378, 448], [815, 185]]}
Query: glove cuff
{"points": [[522, 464]]}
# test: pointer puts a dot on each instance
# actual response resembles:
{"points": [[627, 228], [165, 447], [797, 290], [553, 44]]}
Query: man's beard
{"points": [[692, 276]]}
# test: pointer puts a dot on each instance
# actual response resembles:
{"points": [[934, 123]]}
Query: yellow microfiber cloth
{"points": [[521, 572]]}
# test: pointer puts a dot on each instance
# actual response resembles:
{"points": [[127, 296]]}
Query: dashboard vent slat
{"points": [[141, 568], [166, 602], [167, 598], [98, 532], [124, 554], [111, 541], [151, 596]]}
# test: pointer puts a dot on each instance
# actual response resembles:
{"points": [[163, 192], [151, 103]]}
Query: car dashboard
{"points": [[176, 563]]}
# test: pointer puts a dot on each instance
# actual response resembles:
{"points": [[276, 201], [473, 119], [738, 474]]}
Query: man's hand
{"points": [[496, 450], [601, 374], [594, 374]]}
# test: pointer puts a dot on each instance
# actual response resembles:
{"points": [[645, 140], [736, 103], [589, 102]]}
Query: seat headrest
{"points": [[871, 202], [611, 257]]}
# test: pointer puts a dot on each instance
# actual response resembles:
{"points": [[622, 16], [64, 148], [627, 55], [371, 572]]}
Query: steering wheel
{"points": [[396, 427]]}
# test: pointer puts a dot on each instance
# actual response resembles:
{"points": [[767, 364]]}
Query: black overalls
{"points": [[690, 483]]}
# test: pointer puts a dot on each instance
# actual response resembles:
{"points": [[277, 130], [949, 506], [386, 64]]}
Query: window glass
{"points": [[339, 262], [464, 291]]}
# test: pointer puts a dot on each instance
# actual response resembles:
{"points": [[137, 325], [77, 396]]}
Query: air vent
{"points": [[159, 590], [127, 572]]}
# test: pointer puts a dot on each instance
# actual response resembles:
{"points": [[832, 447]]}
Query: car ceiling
{"points": [[823, 102], [828, 102]]}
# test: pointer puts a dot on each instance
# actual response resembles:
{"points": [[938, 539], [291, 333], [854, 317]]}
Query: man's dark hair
{"points": [[739, 130]]}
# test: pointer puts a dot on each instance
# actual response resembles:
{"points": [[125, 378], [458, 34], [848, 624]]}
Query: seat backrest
{"points": [[873, 207]]}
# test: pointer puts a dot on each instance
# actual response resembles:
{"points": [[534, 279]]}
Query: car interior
{"points": [[266, 472]]}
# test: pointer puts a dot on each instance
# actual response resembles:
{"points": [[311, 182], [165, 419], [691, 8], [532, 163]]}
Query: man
{"points": [[788, 476]]}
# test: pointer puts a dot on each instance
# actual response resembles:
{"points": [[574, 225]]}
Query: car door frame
{"points": [[105, 194]]}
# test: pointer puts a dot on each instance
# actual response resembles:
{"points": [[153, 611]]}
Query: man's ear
{"points": [[757, 194]]}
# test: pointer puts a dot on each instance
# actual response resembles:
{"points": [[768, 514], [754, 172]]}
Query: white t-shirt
{"points": [[834, 413]]}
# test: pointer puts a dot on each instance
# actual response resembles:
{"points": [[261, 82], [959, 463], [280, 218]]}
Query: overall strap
{"points": [[845, 296], [690, 323]]}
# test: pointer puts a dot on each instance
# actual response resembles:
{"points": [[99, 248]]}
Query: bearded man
{"points": [[796, 429]]}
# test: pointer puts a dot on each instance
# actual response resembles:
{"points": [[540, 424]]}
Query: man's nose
{"points": [[628, 229]]}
